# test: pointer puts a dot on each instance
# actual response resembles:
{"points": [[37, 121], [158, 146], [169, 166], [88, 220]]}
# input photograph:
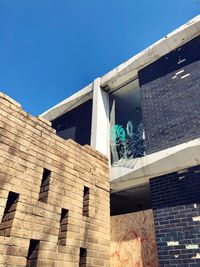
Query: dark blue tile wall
{"points": [[176, 204], [170, 101]]}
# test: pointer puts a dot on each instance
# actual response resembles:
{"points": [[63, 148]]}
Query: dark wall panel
{"points": [[176, 207], [170, 95], [75, 124]]}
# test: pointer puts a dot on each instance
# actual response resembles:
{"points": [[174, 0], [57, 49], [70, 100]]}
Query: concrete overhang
{"points": [[138, 171], [69, 103], [128, 71]]}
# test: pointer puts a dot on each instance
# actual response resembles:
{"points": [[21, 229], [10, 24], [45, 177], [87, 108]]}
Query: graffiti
{"points": [[127, 143], [129, 128], [117, 132]]}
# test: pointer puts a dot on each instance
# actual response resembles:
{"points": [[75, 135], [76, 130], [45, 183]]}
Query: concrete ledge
{"points": [[129, 69], [166, 161]]}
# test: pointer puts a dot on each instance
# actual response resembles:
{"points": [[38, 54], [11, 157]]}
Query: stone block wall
{"points": [[133, 242], [54, 196], [176, 208]]}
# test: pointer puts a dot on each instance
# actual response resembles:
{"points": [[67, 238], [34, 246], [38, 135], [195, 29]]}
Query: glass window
{"points": [[126, 125]]}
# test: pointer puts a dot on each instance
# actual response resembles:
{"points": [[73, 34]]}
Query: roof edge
{"points": [[129, 69]]}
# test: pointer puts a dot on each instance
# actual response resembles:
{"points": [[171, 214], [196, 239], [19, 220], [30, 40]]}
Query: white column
{"points": [[100, 119]]}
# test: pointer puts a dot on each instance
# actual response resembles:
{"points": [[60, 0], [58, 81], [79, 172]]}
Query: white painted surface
{"points": [[172, 243], [184, 76], [192, 246], [100, 119], [196, 219], [197, 256]]}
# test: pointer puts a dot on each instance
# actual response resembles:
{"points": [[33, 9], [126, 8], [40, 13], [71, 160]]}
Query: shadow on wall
{"points": [[133, 240], [75, 124]]}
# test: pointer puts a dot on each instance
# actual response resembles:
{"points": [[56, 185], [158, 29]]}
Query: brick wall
{"points": [[54, 196], [170, 93], [176, 207]]}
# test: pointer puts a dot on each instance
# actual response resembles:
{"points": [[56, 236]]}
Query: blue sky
{"points": [[50, 49]]}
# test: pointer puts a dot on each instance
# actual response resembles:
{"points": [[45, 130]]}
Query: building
{"points": [[145, 116]]}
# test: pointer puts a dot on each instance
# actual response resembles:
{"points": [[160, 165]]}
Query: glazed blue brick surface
{"points": [[175, 201], [170, 102]]}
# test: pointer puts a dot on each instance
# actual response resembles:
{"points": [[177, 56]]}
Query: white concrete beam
{"points": [[129, 69], [100, 119], [137, 172]]}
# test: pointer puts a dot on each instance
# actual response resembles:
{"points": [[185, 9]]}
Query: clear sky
{"points": [[50, 49]]}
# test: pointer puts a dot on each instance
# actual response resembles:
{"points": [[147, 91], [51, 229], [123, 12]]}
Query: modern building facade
{"points": [[145, 116]]}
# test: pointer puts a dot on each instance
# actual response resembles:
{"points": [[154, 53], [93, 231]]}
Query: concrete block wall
{"points": [[54, 196], [170, 98], [176, 208]]}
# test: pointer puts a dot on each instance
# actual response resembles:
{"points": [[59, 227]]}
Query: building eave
{"points": [[128, 70], [69, 103]]}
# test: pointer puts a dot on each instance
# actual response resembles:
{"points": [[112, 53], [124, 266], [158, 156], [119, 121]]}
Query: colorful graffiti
{"points": [[127, 142], [117, 133]]}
